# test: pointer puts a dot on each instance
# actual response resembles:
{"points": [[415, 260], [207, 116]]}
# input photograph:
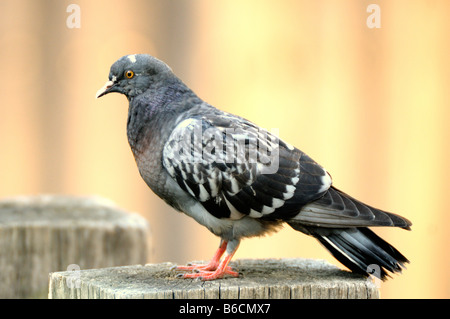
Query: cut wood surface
{"points": [[259, 278]]}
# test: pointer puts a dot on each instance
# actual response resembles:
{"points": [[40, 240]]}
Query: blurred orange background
{"points": [[371, 105]]}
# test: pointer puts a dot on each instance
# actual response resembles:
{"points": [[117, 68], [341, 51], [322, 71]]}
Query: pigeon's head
{"points": [[133, 74]]}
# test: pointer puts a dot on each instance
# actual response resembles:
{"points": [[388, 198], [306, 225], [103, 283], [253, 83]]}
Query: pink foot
{"points": [[212, 270]]}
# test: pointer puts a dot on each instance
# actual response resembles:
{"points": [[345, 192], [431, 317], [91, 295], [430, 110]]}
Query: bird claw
{"points": [[204, 275], [195, 267]]}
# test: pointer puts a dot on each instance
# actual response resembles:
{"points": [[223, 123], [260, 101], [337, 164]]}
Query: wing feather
{"points": [[222, 160]]}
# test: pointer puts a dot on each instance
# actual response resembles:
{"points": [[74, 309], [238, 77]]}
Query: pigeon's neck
{"points": [[153, 110], [165, 97], [151, 118]]}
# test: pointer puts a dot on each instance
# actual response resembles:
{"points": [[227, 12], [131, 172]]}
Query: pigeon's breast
{"points": [[144, 137], [147, 154]]}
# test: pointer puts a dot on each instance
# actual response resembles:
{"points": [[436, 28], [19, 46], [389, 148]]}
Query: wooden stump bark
{"points": [[43, 234]]}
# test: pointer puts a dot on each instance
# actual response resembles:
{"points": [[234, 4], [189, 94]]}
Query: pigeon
{"points": [[237, 179]]}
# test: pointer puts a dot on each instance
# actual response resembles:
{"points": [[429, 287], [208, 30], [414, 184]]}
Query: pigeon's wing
{"points": [[234, 168]]}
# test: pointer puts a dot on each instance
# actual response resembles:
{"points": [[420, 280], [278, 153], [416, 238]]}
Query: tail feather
{"points": [[359, 249]]}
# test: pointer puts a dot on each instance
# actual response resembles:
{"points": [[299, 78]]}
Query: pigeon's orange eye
{"points": [[129, 74]]}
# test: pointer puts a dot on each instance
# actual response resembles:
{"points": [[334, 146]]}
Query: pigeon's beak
{"points": [[107, 88]]}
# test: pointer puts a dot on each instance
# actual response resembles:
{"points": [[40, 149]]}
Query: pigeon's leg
{"points": [[223, 268], [212, 265]]}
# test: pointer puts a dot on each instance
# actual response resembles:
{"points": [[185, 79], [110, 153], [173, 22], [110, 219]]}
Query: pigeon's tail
{"points": [[359, 249]]}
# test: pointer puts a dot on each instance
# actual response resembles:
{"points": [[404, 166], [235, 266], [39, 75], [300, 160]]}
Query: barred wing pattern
{"points": [[234, 168]]}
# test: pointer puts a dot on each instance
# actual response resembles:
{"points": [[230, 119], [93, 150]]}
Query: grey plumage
{"points": [[235, 178]]}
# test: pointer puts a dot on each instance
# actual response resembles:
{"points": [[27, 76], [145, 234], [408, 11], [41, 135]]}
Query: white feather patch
{"points": [[234, 185], [289, 146], [185, 123], [213, 186], [255, 214], [290, 189], [294, 180], [326, 182], [267, 210], [132, 58], [234, 213], [276, 202], [204, 195]]}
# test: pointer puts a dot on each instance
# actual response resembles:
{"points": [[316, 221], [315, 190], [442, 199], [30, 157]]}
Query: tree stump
{"points": [[43, 234], [259, 279]]}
